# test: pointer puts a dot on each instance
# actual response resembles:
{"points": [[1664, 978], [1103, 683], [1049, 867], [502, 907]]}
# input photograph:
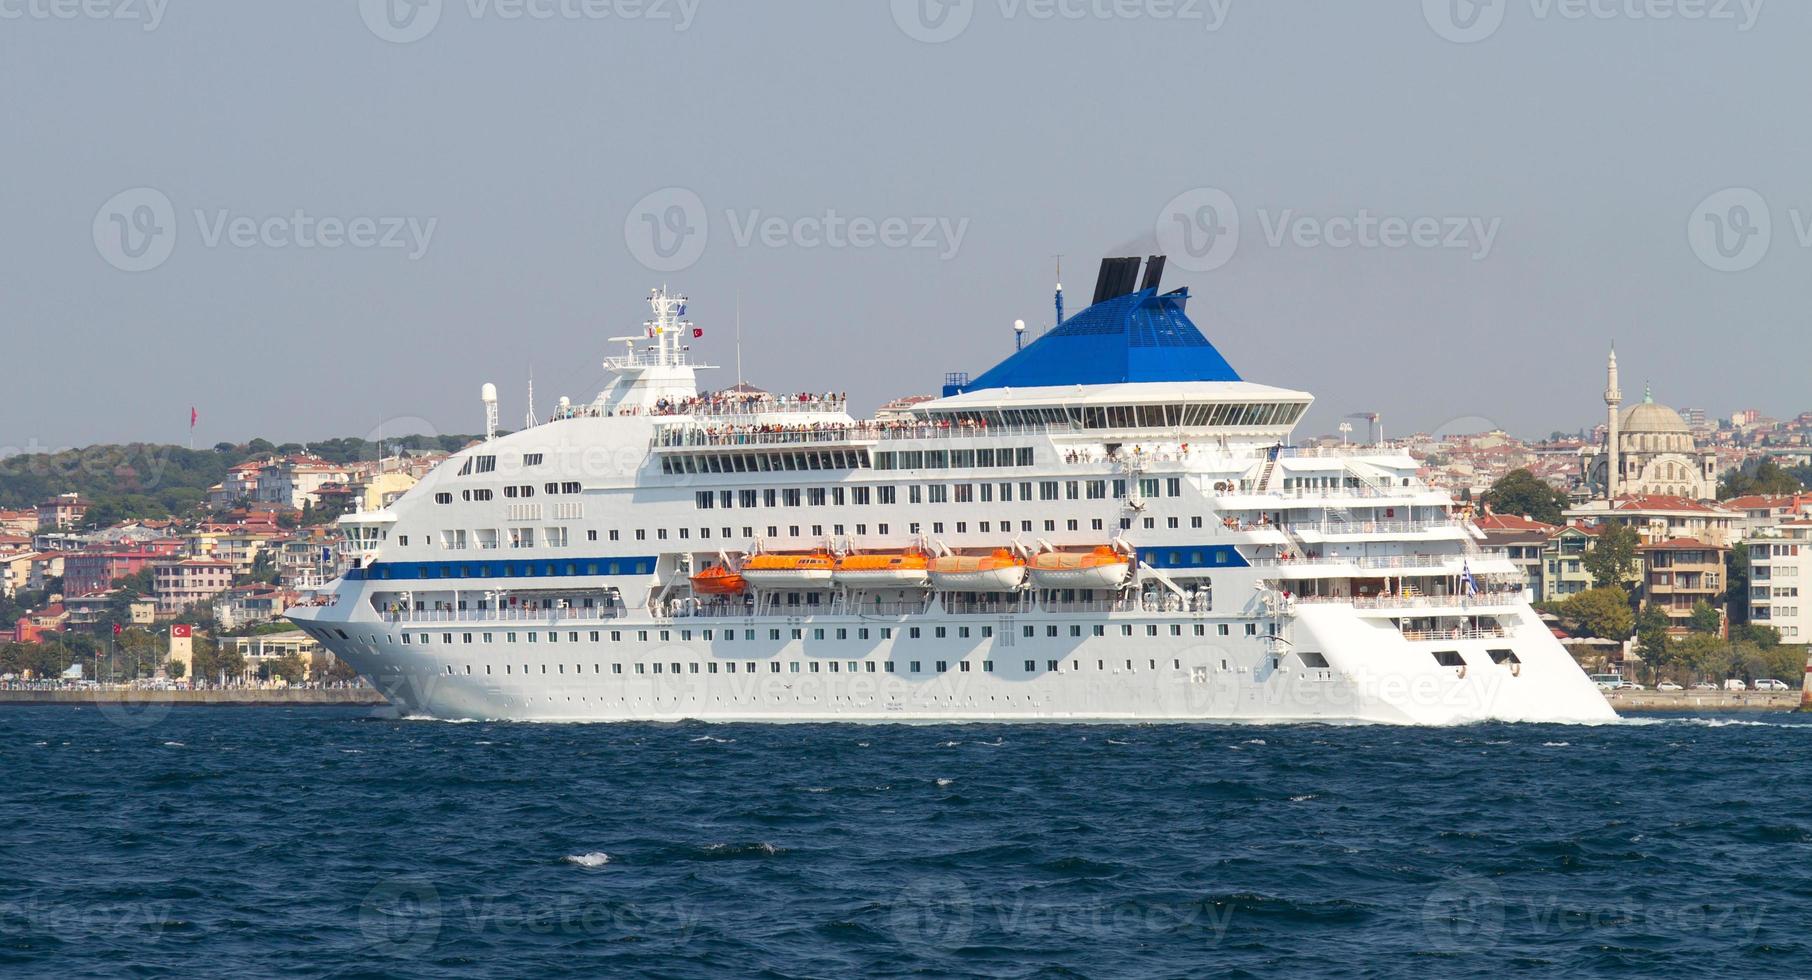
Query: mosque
{"points": [[1649, 450]]}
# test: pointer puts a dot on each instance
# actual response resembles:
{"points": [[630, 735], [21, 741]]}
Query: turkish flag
{"points": [[117, 629], [194, 416], [182, 630], [697, 332]]}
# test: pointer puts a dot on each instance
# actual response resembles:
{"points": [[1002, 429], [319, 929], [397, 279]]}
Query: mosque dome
{"points": [[1649, 417]]}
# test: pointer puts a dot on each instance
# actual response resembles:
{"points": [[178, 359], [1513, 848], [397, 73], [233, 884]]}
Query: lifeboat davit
{"points": [[1102, 568], [902, 570], [769, 571], [719, 580], [1000, 572]]}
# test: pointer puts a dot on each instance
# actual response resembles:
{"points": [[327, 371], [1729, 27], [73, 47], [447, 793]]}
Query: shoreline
{"points": [[1703, 700], [234, 697]]}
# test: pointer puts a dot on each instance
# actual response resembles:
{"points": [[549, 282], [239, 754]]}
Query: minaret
{"points": [[1613, 400]]}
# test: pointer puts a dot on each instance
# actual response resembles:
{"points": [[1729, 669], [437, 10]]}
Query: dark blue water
{"points": [[222, 841]]}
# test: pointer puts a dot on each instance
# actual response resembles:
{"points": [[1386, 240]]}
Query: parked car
{"points": [[1631, 686], [1668, 686], [1770, 684], [1735, 684], [1705, 686]]}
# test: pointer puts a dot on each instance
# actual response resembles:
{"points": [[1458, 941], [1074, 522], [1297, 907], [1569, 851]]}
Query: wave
{"points": [[590, 859]]}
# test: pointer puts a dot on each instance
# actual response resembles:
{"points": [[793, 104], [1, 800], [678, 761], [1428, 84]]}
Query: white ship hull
{"points": [[1371, 676]]}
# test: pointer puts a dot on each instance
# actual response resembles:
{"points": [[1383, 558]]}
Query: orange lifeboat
{"points": [[1101, 568], [788, 570], [907, 569], [719, 580], [1001, 571]]}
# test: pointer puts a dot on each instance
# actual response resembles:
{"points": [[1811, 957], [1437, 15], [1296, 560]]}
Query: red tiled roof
{"points": [[1657, 502], [1507, 522]]}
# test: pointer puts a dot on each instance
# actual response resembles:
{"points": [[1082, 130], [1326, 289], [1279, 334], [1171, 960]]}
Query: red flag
{"points": [[697, 332], [194, 416], [116, 629]]}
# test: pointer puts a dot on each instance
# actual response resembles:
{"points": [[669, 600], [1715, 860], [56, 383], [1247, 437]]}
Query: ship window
{"points": [[942, 666], [915, 666], [616, 668], [1029, 631], [1251, 629], [1051, 665], [1126, 629], [1503, 657], [1151, 630], [1031, 665], [1312, 660], [1449, 658]]}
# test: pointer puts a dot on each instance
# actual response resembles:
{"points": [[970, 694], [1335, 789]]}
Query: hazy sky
{"points": [[304, 218]]}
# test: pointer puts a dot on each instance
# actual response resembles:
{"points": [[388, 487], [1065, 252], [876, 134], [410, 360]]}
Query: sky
{"points": [[309, 220]]}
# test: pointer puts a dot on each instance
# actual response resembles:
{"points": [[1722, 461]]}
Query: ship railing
{"points": [[966, 607], [1340, 452], [1374, 527], [742, 407], [1332, 493], [935, 430], [1483, 633], [573, 614], [704, 438], [1382, 562], [1493, 597]]}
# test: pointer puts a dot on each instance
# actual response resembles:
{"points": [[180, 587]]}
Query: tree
{"points": [[1782, 662], [1736, 583], [1765, 477], [289, 667], [1765, 637], [1612, 558], [1523, 494], [175, 669], [341, 671], [1705, 656], [1602, 612], [1652, 640], [1705, 619]]}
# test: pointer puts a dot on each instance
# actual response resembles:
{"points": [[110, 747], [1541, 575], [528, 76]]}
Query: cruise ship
{"points": [[1110, 525]]}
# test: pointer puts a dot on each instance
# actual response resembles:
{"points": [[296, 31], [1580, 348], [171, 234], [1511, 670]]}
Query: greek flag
{"points": [[1471, 584]]}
